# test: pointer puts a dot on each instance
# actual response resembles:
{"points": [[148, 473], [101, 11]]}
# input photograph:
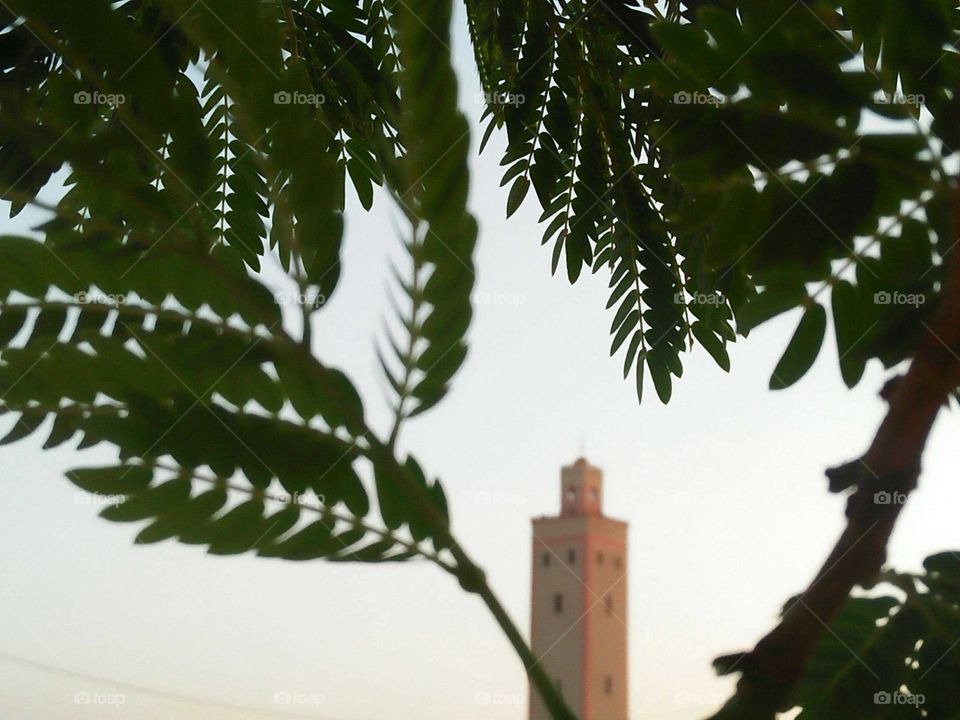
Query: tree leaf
{"points": [[802, 350]]}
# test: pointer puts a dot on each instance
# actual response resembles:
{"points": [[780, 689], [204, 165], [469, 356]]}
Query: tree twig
{"points": [[472, 579]]}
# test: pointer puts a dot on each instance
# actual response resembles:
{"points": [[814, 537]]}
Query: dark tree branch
{"points": [[772, 670]]}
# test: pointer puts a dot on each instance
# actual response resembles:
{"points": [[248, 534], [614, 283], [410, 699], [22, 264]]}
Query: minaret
{"points": [[579, 600]]}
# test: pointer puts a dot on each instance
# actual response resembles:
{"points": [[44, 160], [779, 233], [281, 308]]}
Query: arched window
{"points": [[545, 559], [558, 603], [571, 556]]}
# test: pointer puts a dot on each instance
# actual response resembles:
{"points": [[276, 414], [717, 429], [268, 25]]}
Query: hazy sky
{"points": [[724, 491]]}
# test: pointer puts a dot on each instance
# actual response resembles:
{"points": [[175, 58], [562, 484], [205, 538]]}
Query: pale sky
{"points": [[723, 489]]}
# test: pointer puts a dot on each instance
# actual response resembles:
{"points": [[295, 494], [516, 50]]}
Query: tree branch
{"points": [[473, 580], [775, 666]]}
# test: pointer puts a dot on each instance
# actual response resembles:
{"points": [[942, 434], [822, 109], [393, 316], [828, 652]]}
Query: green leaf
{"points": [[185, 518], [24, 426], [712, 344], [12, 320], [518, 192], [767, 305], [361, 182], [852, 326], [239, 530], [150, 503], [662, 383], [802, 350], [112, 479]]}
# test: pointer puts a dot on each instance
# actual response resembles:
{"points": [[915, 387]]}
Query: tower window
{"points": [[593, 495], [571, 494], [545, 559], [558, 603], [617, 562], [599, 558], [608, 685], [571, 556], [608, 603]]}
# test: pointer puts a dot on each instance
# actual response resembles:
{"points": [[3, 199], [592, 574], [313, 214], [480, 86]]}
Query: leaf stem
{"points": [[473, 580], [413, 335], [323, 510]]}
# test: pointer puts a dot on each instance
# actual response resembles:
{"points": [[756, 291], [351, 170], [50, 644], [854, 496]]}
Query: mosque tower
{"points": [[579, 600]]}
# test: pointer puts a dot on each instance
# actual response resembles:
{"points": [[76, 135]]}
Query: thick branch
{"points": [[892, 463]]}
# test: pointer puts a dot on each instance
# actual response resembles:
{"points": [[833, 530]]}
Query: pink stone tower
{"points": [[579, 600]]}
